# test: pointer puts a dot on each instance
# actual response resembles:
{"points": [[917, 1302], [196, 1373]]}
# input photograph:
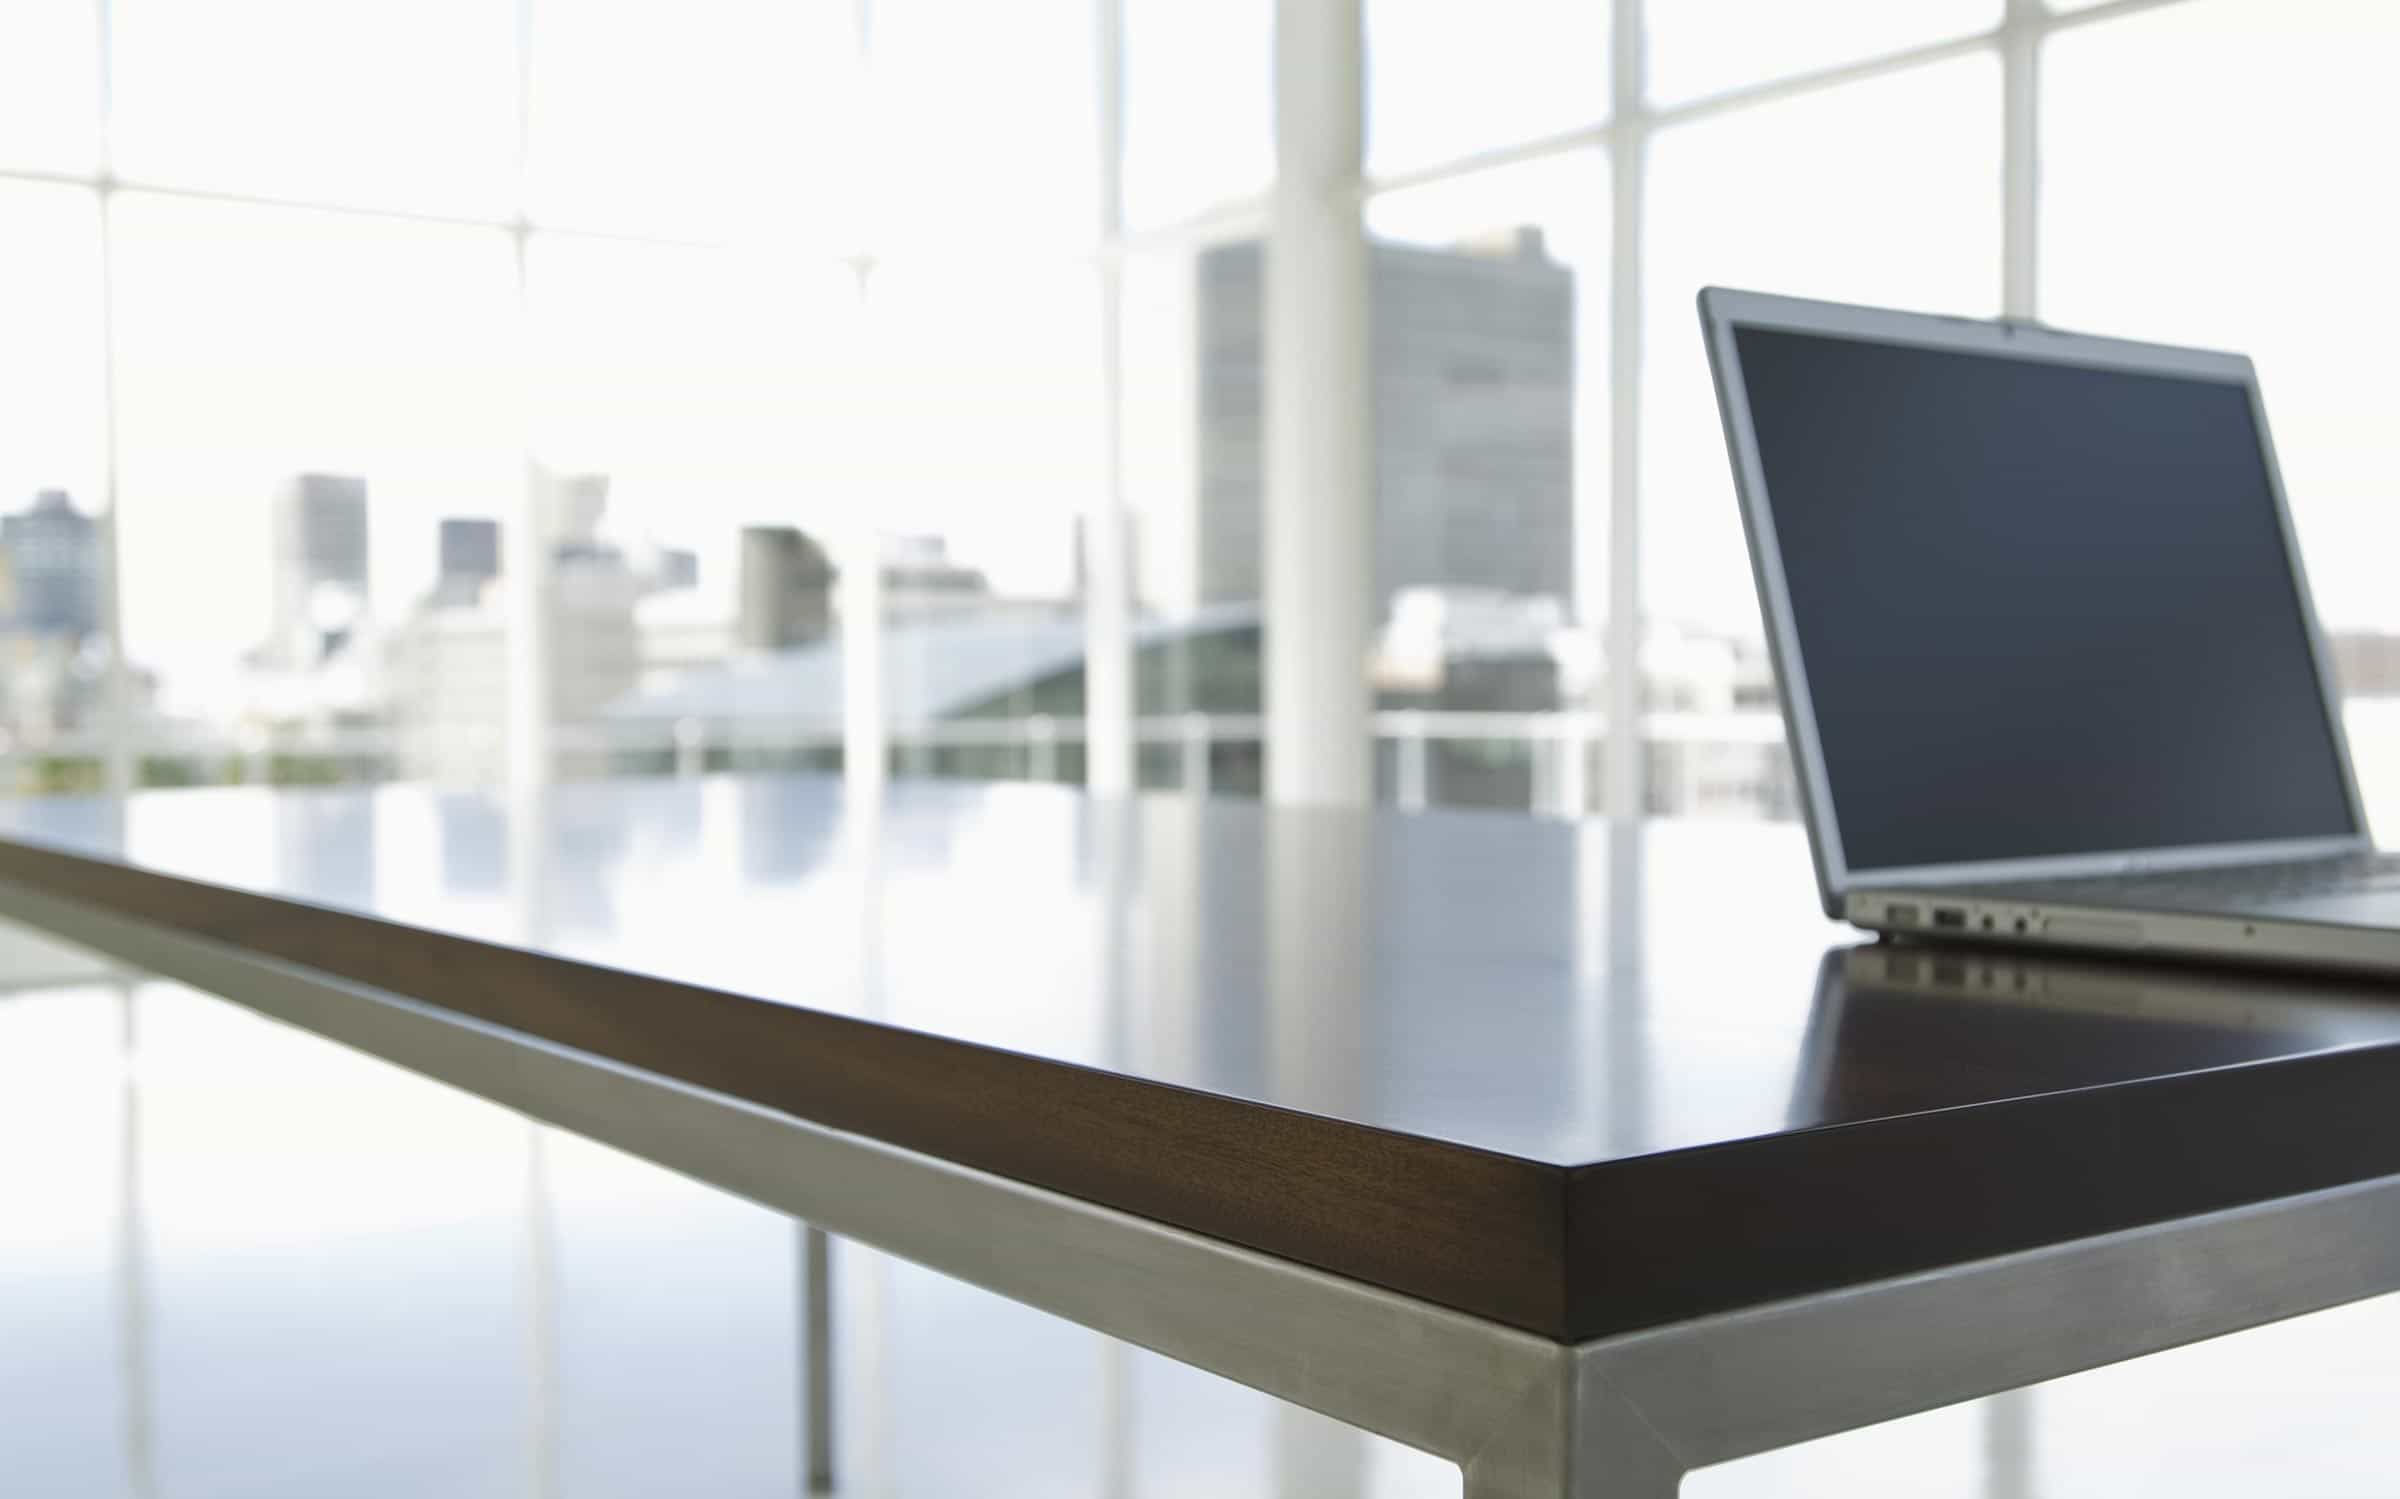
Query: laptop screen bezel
{"points": [[1723, 313]]}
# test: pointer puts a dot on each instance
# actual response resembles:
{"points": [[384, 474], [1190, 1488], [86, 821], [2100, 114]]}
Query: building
{"points": [[470, 549], [571, 507], [672, 568], [1474, 382], [52, 553], [1007, 659], [447, 671], [785, 590], [52, 662], [2366, 663], [785, 596], [321, 592], [446, 667], [921, 577]]}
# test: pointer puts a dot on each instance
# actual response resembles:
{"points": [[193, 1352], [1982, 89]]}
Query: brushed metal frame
{"points": [[1524, 1417]]}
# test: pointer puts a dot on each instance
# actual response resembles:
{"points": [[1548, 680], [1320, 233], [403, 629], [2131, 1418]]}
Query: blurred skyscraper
{"points": [[1474, 387], [470, 555], [52, 552], [786, 589], [447, 666], [320, 564]]}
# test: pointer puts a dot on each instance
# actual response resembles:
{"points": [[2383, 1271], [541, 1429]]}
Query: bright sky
{"points": [[962, 396]]}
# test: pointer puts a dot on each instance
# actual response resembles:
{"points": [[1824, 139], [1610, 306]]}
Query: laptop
{"points": [[2049, 668]]}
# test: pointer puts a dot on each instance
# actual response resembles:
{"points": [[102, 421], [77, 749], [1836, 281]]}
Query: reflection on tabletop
{"points": [[243, 1259], [239, 1258]]}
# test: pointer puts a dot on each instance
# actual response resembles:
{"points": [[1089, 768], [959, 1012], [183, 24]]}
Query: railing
{"points": [[1421, 752], [1727, 763]]}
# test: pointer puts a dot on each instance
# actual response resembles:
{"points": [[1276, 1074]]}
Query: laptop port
{"points": [[1950, 918], [1899, 913]]}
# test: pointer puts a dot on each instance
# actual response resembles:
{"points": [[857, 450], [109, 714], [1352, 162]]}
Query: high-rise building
{"points": [[673, 568], [447, 664], [571, 506], [470, 550], [52, 553], [1474, 383], [320, 562], [786, 589], [468, 555]]}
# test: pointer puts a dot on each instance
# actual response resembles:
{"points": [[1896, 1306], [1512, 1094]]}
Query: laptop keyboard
{"points": [[2216, 889]]}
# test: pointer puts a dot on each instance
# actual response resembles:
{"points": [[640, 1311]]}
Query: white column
{"points": [[1622, 777], [118, 759], [866, 739], [525, 560], [2020, 156], [525, 541], [1108, 752], [118, 768], [866, 733], [1318, 528]]}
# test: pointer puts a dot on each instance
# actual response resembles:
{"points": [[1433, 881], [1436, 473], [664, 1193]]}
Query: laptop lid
{"points": [[2033, 598]]}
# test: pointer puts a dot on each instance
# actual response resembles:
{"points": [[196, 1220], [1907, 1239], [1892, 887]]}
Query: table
{"points": [[1579, 1155]]}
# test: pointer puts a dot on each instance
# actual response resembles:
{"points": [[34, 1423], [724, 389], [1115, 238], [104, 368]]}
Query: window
{"points": [[1704, 47], [741, 294], [53, 495], [983, 453], [1490, 307], [1190, 424], [1817, 195], [969, 147], [1199, 110], [693, 120], [688, 438], [306, 400], [1445, 81], [2179, 219], [49, 85], [383, 103]]}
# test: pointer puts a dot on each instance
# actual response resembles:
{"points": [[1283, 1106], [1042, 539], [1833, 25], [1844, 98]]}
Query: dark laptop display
{"points": [[2044, 608]]}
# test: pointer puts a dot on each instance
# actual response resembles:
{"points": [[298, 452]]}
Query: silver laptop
{"points": [[2050, 672]]}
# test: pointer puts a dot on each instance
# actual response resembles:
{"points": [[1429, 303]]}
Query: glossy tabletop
{"points": [[240, 1260], [1577, 1078]]}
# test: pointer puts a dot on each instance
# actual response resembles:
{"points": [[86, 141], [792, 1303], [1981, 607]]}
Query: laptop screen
{"points": [[2044, 608]]}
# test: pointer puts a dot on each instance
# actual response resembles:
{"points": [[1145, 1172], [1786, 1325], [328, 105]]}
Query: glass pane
{"points": [[1490, 314], [395, 103], [50, 85], [698, 119], [52, 466], [1199, 105], [986, 116], [1820, 196], [2167, 215], [1191, 427], [980, 461], [1702, 47], [304, 399], [687, 404], [1542, 67]]}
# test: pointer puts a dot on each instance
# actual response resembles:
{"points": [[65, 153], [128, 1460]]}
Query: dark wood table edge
{"points": [[1465, 1228], [1852, 1203], [1568, 1252]]}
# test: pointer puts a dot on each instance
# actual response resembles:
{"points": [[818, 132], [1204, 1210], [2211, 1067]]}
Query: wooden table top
{"points": [[1577, 1078]]}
